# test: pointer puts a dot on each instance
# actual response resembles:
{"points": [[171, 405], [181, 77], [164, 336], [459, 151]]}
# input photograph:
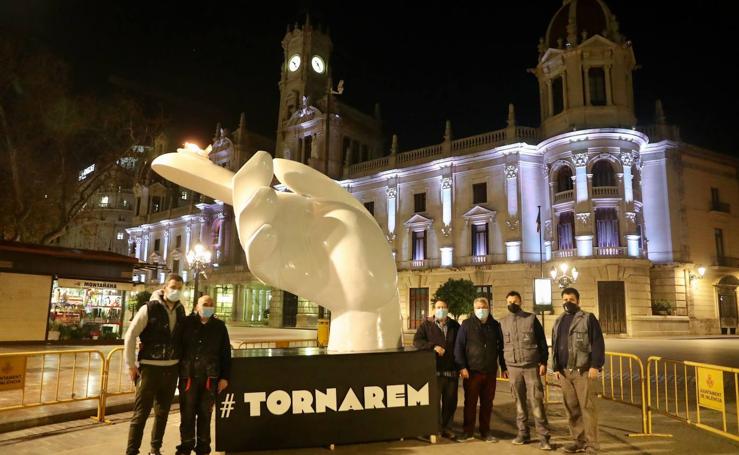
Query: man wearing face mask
{"points": [[204, 372], [439, 334], [578, 355], [158, 325], [526, 354], [478, 351]]}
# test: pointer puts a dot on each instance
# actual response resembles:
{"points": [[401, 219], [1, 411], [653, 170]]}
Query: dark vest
{"points": [[202, 347], [157, 341], [481, 348], [578, 343], [519, 349]]}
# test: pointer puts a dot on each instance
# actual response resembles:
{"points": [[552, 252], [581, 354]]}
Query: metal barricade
{"points": [[681, 385], [274, 344], [52, 377], [621, 375], [116, 380]]}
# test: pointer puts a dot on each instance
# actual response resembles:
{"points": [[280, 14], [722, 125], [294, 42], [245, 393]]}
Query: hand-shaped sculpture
{"points": [[317, 241]]}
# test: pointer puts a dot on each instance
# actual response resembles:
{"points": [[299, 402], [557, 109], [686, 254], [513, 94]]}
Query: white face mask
{"points": [[173, 295]]}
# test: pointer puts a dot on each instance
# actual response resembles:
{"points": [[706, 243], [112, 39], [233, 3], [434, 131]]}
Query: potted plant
{"points": [[54, 331], [662, 307]]}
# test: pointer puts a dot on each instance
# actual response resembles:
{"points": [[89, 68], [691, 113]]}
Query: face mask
{"points": [[571, 307], [513, 308], [441, 313], [482, 313], [207, 311], [173, 295]]}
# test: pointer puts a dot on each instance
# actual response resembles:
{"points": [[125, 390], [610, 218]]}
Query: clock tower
{"points": [[304, 82]]}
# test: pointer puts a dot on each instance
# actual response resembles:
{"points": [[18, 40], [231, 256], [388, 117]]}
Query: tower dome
{"points": [[576, 20]]}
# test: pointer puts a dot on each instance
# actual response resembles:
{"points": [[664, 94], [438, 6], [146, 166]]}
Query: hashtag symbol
{"points": [[228, 405]]}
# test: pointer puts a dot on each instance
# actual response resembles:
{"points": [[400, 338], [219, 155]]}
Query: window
{"points": [[566, 231], [715, 199], [346, 151], [132, 252], [175, 266], [418, 305], [125, 203], [485, 291], [419, 202], [606, 228], [183, 195], [156, 245], [557, 96], [138, 205], [718, 235], [370, 206], [564, 179], [155, 204], [104, 201], [119, 236], [307, 149], [418, 245], [479, 239], [603, 174], [178, 241], [479, 193], [597, 83], [365, 152]]}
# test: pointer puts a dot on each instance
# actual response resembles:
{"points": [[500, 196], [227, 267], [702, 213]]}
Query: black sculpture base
{"points": [[306, 397]]}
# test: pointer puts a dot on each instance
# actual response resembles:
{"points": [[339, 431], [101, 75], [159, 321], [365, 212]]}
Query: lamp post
{"points": [[199, 260], [561, 277]]}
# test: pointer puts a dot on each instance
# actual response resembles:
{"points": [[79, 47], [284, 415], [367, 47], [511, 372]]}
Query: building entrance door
{"points": [[727, 309], [289, 309], [612, 306]]}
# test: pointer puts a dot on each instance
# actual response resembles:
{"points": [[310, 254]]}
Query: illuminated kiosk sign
{"points": [[325, 398]]}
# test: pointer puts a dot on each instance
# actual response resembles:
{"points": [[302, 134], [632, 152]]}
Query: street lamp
{"points": [[199, 260], [562, 278], [699, 276]]}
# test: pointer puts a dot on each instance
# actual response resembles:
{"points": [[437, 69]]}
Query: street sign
{"points": [[711, 388], [12, 372]]}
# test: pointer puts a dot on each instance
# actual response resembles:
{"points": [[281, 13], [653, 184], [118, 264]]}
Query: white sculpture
{"points": [[317, 242]]}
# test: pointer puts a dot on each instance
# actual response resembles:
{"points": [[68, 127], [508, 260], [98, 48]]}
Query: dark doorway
{"points": [[289, 309], [612, 306], [727, 309]]}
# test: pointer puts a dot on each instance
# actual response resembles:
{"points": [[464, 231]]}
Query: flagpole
{"points": [[541, 250]]}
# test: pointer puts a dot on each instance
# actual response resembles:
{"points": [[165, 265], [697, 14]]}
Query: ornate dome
{"points": [[577, 20]]}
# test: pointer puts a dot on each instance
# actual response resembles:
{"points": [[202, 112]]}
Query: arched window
{"points": [[564, 179], [603, 174]]}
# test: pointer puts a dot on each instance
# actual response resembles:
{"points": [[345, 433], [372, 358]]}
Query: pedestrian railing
{"points": [[274, 344], [699, 394], [31, 379], [116, 380], [623, 380]]}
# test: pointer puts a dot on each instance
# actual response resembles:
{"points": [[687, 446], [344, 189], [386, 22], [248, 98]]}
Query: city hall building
{"points": [[649, 222]]}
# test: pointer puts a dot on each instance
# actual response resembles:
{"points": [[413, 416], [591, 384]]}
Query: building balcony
{"points": [[605, 192], [564, 196], [610, 251], [476, 260], [721, 207], [419, 264], [725, 261], [569, 253]]}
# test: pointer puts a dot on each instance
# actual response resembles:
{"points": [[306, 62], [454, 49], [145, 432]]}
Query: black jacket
{"points": [[429, 335], [479, 346], [206, 349]]}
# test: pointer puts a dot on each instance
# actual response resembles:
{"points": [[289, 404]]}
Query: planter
{"points": [[53, 335]]}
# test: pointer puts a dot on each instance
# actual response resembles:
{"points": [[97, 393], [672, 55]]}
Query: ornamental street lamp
{"points": [[561, 277], [199, 260]]}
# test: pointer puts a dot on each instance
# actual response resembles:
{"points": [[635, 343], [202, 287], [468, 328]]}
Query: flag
{"points": [[538, 221]]}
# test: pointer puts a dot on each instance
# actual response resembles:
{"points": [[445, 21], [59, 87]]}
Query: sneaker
{"points": [[544, 445], [489, 438], [520, 440], [447, 434], [155, 452], [573, 448], [464, 437]]}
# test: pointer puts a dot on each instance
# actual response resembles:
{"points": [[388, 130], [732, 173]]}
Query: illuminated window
{"points": [[119, 236], [104, 201], [183, 195]]}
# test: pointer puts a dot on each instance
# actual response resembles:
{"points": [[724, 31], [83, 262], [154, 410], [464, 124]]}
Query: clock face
{"points": [[294, 63], [318, 64]]}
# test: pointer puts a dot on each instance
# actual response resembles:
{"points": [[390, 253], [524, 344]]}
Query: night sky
{"points": [[425, 62]]}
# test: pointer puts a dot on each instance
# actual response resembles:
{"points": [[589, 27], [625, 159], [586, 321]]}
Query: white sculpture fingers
{"points": [[196, 172]]}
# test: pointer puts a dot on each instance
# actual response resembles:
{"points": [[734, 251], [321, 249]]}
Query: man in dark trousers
{"points": [[478, 351], [158, 325], [578, 354], [204, 373], [439, 334], [526, 354]]}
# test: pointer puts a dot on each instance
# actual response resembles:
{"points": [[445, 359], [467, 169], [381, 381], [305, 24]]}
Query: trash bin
{"points": [[322, 333]]}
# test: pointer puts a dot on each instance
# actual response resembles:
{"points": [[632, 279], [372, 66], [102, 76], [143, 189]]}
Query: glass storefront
{"points": [[86, 310], [254, 301], [224, 297]]}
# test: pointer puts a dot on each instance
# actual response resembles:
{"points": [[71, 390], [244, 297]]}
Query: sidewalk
{"points": [[85, 438]]}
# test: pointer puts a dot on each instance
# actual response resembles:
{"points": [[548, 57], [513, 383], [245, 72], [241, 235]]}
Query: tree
{"points": [[458, 294], [48, 133]]}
